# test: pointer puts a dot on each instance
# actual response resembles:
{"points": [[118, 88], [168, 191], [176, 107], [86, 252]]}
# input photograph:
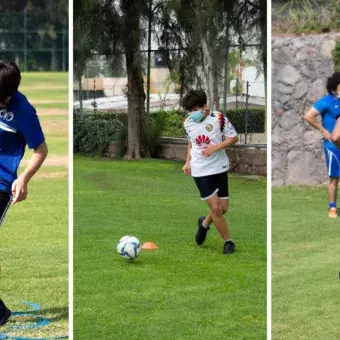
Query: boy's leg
{"points": [[216, 213], [5, 313], [332, 158], [224, 203], [332, 189], [5, 202], [332, 194], [221, 182]]}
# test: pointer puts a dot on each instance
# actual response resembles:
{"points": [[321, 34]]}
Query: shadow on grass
{"points": [[56, 314]]}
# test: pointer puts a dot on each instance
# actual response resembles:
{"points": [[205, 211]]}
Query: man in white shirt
{"points": [[209, 134]]}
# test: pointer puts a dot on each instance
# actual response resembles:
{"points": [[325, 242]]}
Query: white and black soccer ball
{"points": [[129, 247]]}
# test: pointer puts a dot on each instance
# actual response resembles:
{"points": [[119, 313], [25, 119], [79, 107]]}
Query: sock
{"points": [[230, 240], [332, 205], [205, 225]]}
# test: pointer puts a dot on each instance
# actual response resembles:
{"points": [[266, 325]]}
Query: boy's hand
{"points": [[187, 169], [209, 150], [19, 190], [326, 134]]}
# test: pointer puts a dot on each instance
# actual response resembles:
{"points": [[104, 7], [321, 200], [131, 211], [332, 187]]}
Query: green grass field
{"points": [[305, 266], [34, 236], [180, 291], [46, 90]]}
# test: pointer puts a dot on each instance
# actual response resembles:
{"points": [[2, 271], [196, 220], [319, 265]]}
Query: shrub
{"points": [[93, 132], [157, 125], [336, 56], [256, 119], [173, 122]]}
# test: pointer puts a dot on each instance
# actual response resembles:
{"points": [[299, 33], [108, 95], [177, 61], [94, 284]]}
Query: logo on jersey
{"points": [[202, 139], [6, 116], [209, 127]]}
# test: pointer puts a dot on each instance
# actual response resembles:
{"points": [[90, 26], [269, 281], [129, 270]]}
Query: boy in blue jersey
{"points": [[335, 135], [329, 109], [19, 126]]}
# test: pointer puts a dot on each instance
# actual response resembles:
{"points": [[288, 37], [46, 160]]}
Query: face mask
{"points": [[196, 116]]}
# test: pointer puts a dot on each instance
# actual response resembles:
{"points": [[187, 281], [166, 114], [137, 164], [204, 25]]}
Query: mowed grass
{"points": [[46, 90], [305, 266], [180, 291], [34, 236]]}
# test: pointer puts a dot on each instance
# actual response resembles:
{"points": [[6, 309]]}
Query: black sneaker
{"points": [[201, 231], [229, 247], [5, 313]]}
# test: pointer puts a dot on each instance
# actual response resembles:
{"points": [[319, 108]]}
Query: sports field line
{"points": [[51, 160], [44, 112], [48, 101]]}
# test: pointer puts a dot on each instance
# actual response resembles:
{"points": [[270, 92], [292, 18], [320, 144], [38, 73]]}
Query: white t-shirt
{"points": [[212, 130]]}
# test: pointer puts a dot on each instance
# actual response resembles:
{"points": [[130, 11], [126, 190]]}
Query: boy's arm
{"points": [[19, 187], [187, 168], [229, 141], [310, 118], [335, 135]]}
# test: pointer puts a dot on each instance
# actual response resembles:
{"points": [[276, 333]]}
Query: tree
{"points": [[113, 28], [137, 120], [30, 25], [49, 18]]}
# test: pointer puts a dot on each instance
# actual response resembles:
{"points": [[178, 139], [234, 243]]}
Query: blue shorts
{"points": [[332, 161]]}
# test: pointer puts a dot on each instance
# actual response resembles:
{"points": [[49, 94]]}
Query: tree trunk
{"points": [[80, 93], [137, 121], [263, 23], [216, 87], [208, 69], [54, 57]]}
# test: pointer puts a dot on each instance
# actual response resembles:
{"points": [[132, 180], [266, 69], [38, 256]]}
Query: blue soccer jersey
{"points": [[19, 125], [329, 108]]}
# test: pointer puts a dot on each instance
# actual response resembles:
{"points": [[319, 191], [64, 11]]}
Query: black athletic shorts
{"points": [[212, 184], [5, 202]]}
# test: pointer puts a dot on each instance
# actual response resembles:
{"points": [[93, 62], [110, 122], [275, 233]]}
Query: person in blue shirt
{"points": [[335, 135], [19, 126], [329, 109]]}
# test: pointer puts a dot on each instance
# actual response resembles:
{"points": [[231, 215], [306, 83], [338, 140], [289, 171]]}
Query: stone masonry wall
{"points": [[245, 159], [300, 68]]}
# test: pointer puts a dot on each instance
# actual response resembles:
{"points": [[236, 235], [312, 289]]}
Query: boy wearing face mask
{"points": [[329, 109], [19, 126], [209, 134]]}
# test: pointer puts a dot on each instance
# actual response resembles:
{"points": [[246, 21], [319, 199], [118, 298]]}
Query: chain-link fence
{"points": [[239, 90], [32, 46]]}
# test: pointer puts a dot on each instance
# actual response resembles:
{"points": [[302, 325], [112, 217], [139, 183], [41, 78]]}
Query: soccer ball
{"points": [[129, 247]]}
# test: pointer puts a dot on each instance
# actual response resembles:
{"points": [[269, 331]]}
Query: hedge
{"points": [[94, 131]]}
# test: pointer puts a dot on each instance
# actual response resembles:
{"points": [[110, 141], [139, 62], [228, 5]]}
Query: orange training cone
{"points": [[149, 246]]}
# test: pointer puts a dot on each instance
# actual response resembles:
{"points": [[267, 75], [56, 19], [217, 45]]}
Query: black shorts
{"points": [[5, 202], [212, 184]]}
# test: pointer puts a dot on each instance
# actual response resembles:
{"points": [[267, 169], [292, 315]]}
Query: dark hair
{"points": [[193, 98], [333, 82], [9, 79]]}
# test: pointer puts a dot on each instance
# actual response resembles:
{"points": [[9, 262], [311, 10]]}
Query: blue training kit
{"points": [[329, 108], [19, 125]]}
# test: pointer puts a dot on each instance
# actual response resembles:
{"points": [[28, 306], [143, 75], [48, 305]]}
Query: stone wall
{"points": [[300, 68], [245, 159]]}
